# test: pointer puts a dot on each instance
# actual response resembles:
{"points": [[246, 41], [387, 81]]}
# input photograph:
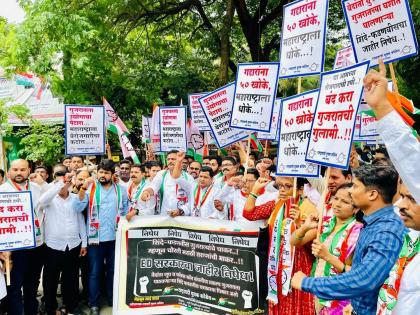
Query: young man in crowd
{"points": [[66, 161], [377, 249], [229, 169], [381, 157], [194, 169], [42, 173], [236, 192], [154, 169], [76, 162], [202, 195], [172, 186], [106, 202], [124, 176], [136, 186], [27, 263], [78, 181], [65, 238]]}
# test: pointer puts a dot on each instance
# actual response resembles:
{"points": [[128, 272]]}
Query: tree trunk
{"points": [[225, 43]]}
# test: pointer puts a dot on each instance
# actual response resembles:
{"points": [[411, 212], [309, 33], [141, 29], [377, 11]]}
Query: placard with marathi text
{"points": [[380, 29], [335, 116]]}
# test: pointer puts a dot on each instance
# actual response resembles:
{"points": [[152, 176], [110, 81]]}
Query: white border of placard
{"points": [[191, 111], [323, 46], [185, 126], [66, 126], [355, 112], [273, 98], [375, 62], [211, 128], [266, 135], [279, 134], [32, 222]]}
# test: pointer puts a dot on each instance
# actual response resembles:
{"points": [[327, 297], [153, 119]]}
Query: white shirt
{"points": [[207, 209], [408, 302], [220, 182], [175, 191], [64, 227], [38, 211], [144, 208], [235, 197], [403, 149]]}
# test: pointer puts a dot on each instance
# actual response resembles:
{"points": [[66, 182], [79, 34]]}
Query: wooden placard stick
{"points": [[321, 205], [248, 150], [7, 262], [394, 80], [108, 147], [294, 188], [299, 88]]}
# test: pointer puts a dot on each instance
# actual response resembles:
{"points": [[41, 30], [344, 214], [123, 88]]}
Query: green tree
{"points": [[41, 143]]}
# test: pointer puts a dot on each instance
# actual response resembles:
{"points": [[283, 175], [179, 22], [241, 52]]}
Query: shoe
{"points": [[77, 311], [94, 311]]}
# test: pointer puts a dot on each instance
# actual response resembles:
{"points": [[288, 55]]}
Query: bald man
{"points": [[27, 263]]}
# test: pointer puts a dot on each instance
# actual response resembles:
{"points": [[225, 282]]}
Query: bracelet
{"points": [[82, 188], [297, 237], [253, 195]]}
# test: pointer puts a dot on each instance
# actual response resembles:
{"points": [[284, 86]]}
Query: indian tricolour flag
{"points": [[116, 125]]}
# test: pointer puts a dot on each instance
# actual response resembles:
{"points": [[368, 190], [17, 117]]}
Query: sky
{"points": [[11, 11]]}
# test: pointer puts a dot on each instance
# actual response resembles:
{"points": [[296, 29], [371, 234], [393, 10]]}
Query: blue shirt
{"points": [[376, 252], [107, 211]]}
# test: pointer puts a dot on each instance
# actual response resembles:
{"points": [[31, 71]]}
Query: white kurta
{"points": [[408, 302]]}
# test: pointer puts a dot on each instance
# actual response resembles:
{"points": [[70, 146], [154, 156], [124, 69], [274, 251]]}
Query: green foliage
{"points": [[41, 143], [20, 111], [136, 52]]}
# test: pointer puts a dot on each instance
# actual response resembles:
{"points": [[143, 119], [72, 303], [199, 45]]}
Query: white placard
{"points": [[368, 126], [17, 230], [145, 128], [255, 92], [209, 138], [335, 116], [272, 135], [197, 115], [173, 131], [302, 42], [380, 29], [296, 117], [217, 106], [85, 129], [344, 58]]}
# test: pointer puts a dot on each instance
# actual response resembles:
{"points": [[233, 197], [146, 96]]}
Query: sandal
{"points": [[62, 311]]}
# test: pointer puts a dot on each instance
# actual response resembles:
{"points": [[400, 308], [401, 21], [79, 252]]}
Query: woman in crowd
{"points": [[294, 302], [334, 250]]}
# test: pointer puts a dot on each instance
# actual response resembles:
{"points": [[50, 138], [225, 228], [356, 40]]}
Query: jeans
{"points": [[25, 274], [97, 254]]}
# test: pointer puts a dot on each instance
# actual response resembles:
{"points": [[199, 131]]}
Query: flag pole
{"points": [[7, 262], [394, 82], [108, 147], [299, 88], [248, 150]]}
